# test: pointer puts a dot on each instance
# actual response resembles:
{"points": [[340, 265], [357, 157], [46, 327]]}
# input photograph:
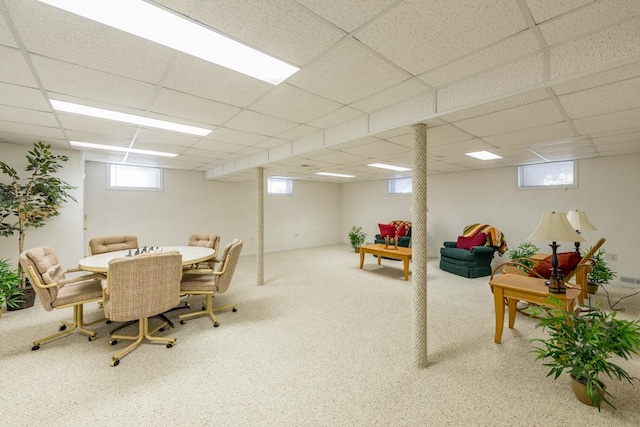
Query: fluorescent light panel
{"points": [[483, 155], [127, 118], [161, 26], [390, 167], [339, 175], [120, 149]]}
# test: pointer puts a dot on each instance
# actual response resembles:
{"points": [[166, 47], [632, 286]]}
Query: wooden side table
{"points": [[523, 288]]}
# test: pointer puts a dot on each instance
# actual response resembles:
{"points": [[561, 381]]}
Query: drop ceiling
{"points": [[529, 80]]}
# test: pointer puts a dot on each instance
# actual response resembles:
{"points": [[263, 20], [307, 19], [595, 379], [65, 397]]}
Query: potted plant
{"points": [[600, 273], [30, 201], [9, 280], [584, 345], [356, 237], [522, 253]]}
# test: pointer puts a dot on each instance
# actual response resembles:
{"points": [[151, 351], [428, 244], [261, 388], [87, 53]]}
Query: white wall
{"points": [[608, 191], [65, 228], [190, 204]]}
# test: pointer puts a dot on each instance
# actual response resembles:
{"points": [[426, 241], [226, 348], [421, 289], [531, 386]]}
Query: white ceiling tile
{"points": [[23, 97], [347, 73], [403, 130], [376, 149], [407, 112], [630, 147], [633, 137], [178, 104], [525, 137], [204, 155], [250, 121], [413, 34], [335, 117], [52, 32], [608, 122], [22, 115], [492, 107], [511, 49], [459, 148], [220, 146], [161, 137], [445, 134], [543, 10], [20, 135], [407, 89], [200, 78], [14, 69], [595, 16], [291, 103], [271, 143], [347, 14], [97, 126], [97, 138], [157, 146], [234, 136], [92, 84], [603, 99], [298, 132], [338, 157], [523, 117], [592, 80], [605, 48], [279, 28], [6, 38]]}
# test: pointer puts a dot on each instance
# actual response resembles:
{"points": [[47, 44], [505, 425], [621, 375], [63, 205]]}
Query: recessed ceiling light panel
{"points": [[339, 175], [389, 167], [161, 26], [120, 149], [483, 155]]}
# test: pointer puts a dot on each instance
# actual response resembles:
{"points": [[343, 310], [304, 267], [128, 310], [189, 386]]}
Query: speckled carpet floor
{"points": [[322, 343]]}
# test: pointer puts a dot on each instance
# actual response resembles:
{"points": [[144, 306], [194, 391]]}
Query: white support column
{"points": [[260, 226], [419, 244]]}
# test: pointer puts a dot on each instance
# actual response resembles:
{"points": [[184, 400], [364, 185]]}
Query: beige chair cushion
{"points": [[100, 245]]}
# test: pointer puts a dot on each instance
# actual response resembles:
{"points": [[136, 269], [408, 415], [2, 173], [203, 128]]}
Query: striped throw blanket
{"points": [[495, 237]]}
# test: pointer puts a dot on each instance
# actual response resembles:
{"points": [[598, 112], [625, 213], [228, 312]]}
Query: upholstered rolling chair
{"points": [[56, 290], [207, 241], [140, 287], [100, 245], [212, 282]]}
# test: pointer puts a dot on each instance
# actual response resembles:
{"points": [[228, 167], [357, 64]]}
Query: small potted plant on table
{"points": [[584, 346], [600, 273], [357, 237]]}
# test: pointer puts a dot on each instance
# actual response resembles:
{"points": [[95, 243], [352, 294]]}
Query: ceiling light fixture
{"points": [[153, 23], [390, 167], [127, 118], [339, 175], [483, 155], [120, 149]]}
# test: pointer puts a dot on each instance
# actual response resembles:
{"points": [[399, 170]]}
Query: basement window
{"points": [[125, 177], [401, 185], [548, 175], [277, 185]]}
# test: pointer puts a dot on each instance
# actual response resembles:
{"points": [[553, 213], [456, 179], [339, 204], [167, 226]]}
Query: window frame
{"points": [[289, 185], [159, 178], [521, 169], [391, 185]]}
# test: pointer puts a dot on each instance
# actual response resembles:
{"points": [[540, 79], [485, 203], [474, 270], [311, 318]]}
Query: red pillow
{"points": [[567, 262], [387, 230], [401, 231], [468, 242]]}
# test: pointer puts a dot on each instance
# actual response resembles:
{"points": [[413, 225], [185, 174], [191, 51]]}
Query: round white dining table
{"points": [[190, 255]]}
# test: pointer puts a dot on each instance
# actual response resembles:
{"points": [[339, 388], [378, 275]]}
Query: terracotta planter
{"points": [[580, 390]]}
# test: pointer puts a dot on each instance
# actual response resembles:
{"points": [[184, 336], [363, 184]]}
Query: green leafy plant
{"points": [[584, 344], [521, 254], [600, 274], [357, 237], [9, 280], [29, 202]]}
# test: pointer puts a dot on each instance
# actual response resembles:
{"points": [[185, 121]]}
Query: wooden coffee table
{"points": [[515, 287], [378, 249]]}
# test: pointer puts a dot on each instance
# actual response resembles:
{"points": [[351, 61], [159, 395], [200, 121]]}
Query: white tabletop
{"points": [[190, 255]]}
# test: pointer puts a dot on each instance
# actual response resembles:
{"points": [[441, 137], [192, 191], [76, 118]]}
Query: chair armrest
{"points": [[450, 244], [200, 272], [483, 249]]}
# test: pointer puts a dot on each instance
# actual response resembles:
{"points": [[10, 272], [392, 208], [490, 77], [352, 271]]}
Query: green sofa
{"points": [[474, 262]]}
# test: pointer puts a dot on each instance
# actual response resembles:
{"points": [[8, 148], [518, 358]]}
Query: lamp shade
{"points": [[579, 221], [555, 227]]}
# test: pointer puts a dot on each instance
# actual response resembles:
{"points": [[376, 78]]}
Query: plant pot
{"points": [[592, 288], [357, 249], [580, 390], [28, 299]]}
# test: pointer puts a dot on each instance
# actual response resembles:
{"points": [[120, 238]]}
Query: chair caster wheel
{"points": [[114, 362], [113, 342], [35, 347], [216, 324], [183, 322], [204, 307], [234, 309], [169, 345], [93, 338], [108, 322], [62, 327], [161, 329]]}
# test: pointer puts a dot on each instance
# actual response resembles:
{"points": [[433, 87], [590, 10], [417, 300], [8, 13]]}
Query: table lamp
{"points": [[555, 227], [580, 222]]}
